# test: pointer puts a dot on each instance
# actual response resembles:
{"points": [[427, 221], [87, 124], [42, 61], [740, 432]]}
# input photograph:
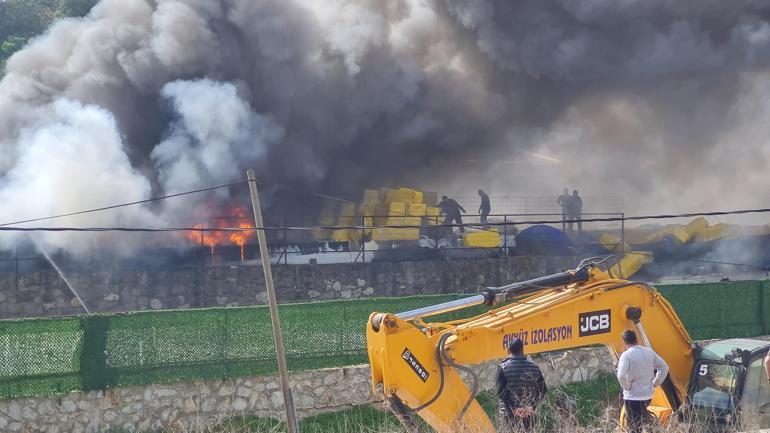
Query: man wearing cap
{"points": [[520, 388]]}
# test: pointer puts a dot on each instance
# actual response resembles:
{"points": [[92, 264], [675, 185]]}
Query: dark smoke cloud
{"points": [[663, 101]]}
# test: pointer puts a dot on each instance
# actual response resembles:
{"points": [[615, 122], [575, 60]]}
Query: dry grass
{"points": [[588, 407]]}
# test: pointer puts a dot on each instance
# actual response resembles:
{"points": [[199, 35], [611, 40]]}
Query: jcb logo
{"points": [[595, 322]]}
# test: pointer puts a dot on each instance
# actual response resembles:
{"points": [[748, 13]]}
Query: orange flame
{"points": [[235, 217]]}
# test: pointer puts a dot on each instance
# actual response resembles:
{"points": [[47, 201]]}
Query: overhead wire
{"points": [[121, 205], [5, 227]]}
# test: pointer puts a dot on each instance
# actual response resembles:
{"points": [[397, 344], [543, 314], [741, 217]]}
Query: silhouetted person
{"points": [[485, 208], [451, 209], [520, 389], [575, 208], [563, 201]]}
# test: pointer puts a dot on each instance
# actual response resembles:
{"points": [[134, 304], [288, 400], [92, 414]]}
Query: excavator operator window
{"points": [[714, 387], [755, 402]]}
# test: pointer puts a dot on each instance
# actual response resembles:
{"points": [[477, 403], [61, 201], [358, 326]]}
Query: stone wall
{"points": [[194, 406], [46, 294]]}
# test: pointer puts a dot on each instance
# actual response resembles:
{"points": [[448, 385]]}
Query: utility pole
{"points": [[288, 402]]}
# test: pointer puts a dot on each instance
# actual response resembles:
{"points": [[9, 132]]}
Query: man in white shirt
{"points": [[640, 370]]}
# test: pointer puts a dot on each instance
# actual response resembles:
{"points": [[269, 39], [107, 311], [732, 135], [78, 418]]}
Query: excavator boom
{"points": [[417, 364]]}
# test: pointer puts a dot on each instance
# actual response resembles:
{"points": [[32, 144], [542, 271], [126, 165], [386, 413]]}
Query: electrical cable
{"points": [[149, 200]]}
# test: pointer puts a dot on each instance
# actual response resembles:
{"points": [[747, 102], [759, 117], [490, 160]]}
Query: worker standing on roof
{"points": [[451, 209], [575, 210], [520, 388], [485, 207], [640, 370], [563, 202]]}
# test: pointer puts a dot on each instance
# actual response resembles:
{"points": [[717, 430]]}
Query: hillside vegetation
{"points": [[21, 20]]}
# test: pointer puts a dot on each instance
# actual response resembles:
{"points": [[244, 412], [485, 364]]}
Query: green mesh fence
{"points": [[58, 355]]}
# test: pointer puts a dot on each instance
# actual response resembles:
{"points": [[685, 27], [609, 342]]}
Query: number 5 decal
{"points": [[703, 370]]}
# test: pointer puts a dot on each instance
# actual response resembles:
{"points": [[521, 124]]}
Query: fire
{"points": [[234, 217]]}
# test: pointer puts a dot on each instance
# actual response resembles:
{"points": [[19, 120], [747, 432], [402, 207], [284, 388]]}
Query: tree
{"points": [[22, 19], [9, 46]]}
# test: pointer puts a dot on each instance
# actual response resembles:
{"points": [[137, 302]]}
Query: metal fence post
{"points": [[93, 359], [622, 234], [363, 238], [505, 234]]}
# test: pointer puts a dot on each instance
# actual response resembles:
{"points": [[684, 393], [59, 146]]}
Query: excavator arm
{"points": [[416, 364]]}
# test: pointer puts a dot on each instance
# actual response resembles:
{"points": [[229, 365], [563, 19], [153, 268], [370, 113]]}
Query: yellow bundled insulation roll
{"points": [[405, 195], [347, 217], [717, 231], [397, 208], [432, 215], [368, 222], [381, 214], [677, 231], [695, 228], [367, 209], [326, 218], [630, 264], [613, 243], [371, 197], [391, 234], [412, 221], [416, 209], [482, 239]]}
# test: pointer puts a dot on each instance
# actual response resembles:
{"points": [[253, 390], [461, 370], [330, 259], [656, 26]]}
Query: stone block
{"points": [[68, 407]]}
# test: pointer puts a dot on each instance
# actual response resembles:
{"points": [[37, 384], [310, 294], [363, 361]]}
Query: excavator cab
{"points": [[728, 389]]}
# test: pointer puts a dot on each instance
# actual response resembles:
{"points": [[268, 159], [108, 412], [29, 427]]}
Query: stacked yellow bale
{"points": [[432, 215], [482, 239], [397, 216], [714, 232], [613, 243], [328, 210], [403, 195], [371, 197], [416, 209], [630, 264], [697, 229], [348, 217], [366, 214]]}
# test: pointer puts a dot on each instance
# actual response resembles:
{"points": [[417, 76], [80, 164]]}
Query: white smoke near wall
{"points": [[66, 159], [660, 101]]}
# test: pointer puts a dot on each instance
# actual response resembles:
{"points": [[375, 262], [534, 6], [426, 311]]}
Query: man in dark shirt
{"points": [[451, 209], [563, 202], [485, 208], [576, 210], [520, 388]]}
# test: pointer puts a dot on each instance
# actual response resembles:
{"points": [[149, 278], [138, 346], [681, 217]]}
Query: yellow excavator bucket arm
{"points": [[416, 364]]}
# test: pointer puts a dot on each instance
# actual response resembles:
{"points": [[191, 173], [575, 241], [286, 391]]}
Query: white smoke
{"points": [[214, 131], [73, 158], [663, 102]]}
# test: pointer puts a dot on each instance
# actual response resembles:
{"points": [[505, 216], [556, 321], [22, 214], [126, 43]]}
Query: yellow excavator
{"points": [[415, 364]]}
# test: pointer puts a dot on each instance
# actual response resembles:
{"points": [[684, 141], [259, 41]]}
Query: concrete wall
{"points": [[46, 294], [194, 406]]}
